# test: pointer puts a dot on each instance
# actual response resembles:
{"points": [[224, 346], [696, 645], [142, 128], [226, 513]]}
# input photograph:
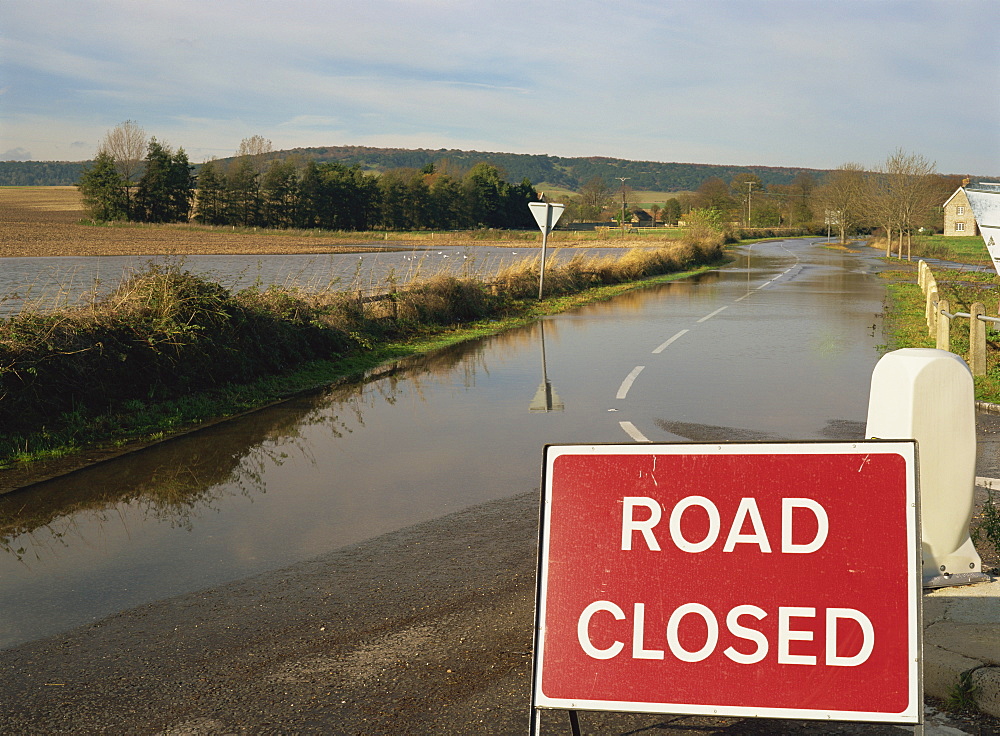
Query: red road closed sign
{"points": [[773, 580]]}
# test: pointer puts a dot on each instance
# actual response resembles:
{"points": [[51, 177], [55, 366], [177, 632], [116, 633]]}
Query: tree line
{"points": [[555, 171], [901, 195], [40, 173], [144, 180], [898, 197], [746, 200], [141, 179]]}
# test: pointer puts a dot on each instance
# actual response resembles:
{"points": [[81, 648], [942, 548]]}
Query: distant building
{"points": [[640, 217], [958, 217]]}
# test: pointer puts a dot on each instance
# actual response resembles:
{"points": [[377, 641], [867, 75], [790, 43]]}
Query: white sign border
{"points": [[911, 715]]}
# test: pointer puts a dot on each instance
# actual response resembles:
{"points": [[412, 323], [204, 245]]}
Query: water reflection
{"points": [[183, 479], [546, 399], [433, 435]]}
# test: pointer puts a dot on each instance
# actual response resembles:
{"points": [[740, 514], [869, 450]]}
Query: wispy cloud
{"points": [[783, 82]]}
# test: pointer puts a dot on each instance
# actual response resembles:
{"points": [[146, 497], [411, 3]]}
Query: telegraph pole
{"points": [[749, 195], [623, 179]]}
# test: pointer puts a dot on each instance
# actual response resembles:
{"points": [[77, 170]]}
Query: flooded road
{"points": [[781, 344]]}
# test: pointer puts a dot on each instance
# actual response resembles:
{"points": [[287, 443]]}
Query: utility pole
{"points": [[749, 195], [623, 179]]}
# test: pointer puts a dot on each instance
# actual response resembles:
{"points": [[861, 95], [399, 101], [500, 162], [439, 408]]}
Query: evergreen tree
{"points": [[392, 200], [243, 205], [362, 200], [445, 203], [211, 203], [103, 189], [280, 195], [165, 187], [310, 196], [417, 201], [484, 190], [516, 200]]}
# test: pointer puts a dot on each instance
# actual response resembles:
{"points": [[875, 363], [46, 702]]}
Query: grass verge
{"points": [[906, 326], [969, 249]]}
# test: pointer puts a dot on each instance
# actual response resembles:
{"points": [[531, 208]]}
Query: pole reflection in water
{"points": [[546, 399]]}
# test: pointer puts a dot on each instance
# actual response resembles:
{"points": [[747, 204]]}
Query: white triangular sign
{"points": [[546, 214], [985, 201]]}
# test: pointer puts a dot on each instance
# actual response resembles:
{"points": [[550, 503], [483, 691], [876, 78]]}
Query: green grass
{"points": [[906, 326], [969, 249]]}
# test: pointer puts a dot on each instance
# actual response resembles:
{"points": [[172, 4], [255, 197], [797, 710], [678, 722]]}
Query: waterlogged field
{"points": [[52, 259], [47, 221]]}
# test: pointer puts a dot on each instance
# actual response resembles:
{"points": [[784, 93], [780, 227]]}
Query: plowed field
{"points": [[45, 221]]}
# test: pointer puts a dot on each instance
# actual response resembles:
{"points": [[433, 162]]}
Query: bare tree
{"points": [[881, 206], [256, 149], [910, 188], [126, 144], [901, 192], [843, 198], [595, 196]]}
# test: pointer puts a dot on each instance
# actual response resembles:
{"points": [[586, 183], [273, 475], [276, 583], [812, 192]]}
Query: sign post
{"points": [[546, 214], [772, 580]]}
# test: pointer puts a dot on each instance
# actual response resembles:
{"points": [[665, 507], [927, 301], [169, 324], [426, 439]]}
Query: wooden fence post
{"points": [[930, 309], [943, 325], [977, 339]]}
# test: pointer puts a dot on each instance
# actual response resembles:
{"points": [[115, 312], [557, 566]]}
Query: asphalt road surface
{"points": [[423, 631]]}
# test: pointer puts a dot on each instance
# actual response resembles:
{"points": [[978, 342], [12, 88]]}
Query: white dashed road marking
{"points": [[627, 383], [709, 316], [665, 345], [632, 432]]}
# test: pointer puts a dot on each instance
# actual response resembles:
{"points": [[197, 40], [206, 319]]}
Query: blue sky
{"points": [[812, 83]]}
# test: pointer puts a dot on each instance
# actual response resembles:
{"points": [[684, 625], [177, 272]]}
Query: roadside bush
{"points": [[160, 333], [443, 300]]}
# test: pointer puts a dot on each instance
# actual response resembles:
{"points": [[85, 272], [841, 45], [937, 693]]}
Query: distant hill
{"points": [[569, 173], [40, 173], [554, 171]]}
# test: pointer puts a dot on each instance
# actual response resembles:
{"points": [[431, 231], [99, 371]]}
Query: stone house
{"points": [[958, 217]]}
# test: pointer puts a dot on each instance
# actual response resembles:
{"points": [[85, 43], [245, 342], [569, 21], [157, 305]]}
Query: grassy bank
{"points": [[169, 349], [907, 327], [969, 249]]}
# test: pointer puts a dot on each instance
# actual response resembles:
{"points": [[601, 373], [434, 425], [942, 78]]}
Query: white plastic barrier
{"points": [[927, 395]]}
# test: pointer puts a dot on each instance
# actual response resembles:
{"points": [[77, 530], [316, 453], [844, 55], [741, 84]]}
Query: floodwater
{"points": [[46, 283], [790, 356]]}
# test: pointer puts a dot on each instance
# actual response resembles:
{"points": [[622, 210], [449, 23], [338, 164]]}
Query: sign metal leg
{"points": [[574, 722]]}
